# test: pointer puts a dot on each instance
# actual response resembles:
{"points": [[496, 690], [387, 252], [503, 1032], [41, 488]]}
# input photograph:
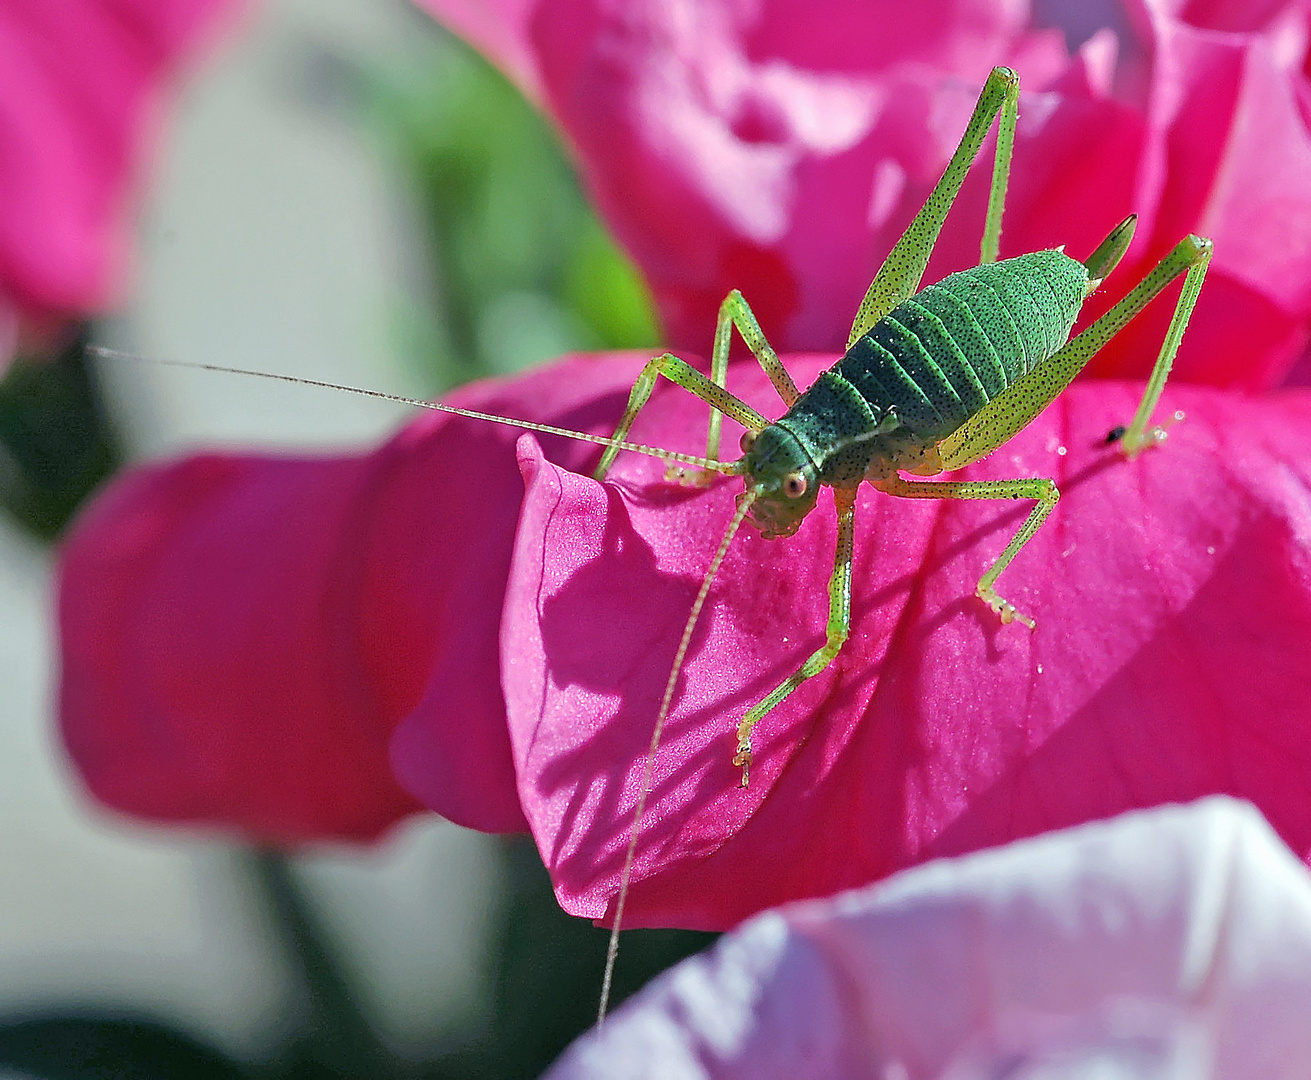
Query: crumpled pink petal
{"points": [[780, 150], [1234, 16], [1175, 942], [1173, 602], [1227, 154], [766, 149], [80, 84], [241, 635]]}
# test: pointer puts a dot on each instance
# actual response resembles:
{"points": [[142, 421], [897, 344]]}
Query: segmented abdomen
{"points": [[942, 355]]}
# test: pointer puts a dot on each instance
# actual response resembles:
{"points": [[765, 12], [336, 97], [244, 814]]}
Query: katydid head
{"points": [[783, 478]]}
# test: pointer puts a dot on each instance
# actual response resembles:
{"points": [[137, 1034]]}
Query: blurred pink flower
{"points": [[1175, 942], [240, 635], [781, 149], [80, 91]]}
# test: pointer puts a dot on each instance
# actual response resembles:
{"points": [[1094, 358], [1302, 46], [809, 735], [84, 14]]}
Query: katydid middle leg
{"points": [[1041, 489]]}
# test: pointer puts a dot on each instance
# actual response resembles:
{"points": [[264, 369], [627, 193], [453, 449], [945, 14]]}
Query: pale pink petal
{"points": [[1175, 942]]}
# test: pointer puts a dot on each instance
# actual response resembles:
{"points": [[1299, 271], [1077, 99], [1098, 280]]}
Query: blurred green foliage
{"points": [[107, 1048], [523, 270], [546, 977], [56, 442]]}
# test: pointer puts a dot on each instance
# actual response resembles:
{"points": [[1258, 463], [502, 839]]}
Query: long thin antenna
{"points": [[612, 950], [725, 467]]}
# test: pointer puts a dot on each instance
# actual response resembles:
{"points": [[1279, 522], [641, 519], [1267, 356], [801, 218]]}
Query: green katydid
{"points": [[932, 380]]}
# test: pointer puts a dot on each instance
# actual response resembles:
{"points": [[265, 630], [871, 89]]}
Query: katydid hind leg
{"points": [[1139, 435], [1015, 407], [899, 276]]}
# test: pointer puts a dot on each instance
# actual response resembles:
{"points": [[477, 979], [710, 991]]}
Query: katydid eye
{"points": [[748, 441], [794, 485]]}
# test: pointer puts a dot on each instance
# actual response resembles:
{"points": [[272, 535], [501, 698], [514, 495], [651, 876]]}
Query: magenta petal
{"points": [[242, 636], [207, 651], [1241, 16], [79, 84], [1232, 155], [458, 500], [1173, 597]]}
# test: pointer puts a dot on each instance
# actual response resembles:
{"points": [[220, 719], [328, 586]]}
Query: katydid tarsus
{"points": [[932, 380]]}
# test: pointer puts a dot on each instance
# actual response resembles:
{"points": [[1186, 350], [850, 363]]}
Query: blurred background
{"points": [[341, 191]]}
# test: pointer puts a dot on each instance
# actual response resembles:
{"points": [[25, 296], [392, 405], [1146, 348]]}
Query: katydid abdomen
{"points": [[933, 362]]}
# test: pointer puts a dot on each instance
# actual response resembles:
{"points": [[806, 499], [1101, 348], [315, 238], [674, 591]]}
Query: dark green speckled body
{"points": [[933, 362]]}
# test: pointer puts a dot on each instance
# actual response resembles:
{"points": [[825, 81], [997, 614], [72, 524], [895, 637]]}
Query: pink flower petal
{"points": [[452, 749], [1173, 600], [1235, 16], [241, 635], [208, 670], [1226, 154], [80, 83], [780, 150], [1169, 943]]}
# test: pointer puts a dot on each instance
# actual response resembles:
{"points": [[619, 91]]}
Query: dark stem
{"points": [[336, 1039]]}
